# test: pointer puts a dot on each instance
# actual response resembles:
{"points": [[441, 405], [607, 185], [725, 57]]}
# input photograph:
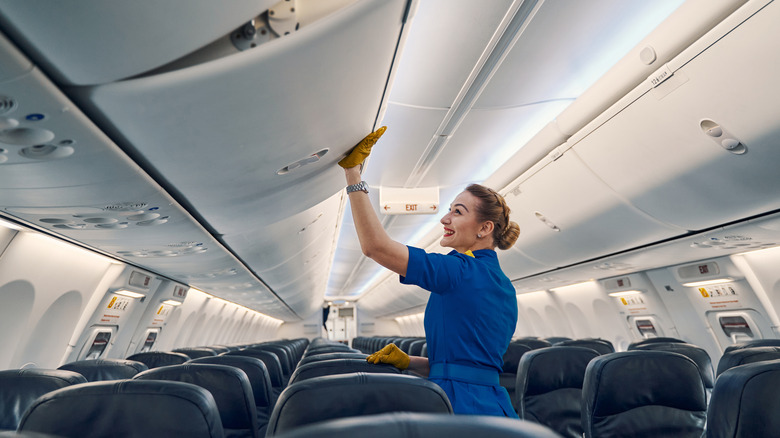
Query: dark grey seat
{"points": [[329, 356], [20, 388], [154, 359], [742, 356], [196, 352], [259, 380], [339, 366], [696, 354], [351, 395], [415, 348], [601, 346], [555, 339], [105, 369], [228, 385], [405, 424], [754, 343], [661, 339], [272, 364], [744, 402], [508, 376], [643, 394], [128, 408], [549, 387], [532, 343]]}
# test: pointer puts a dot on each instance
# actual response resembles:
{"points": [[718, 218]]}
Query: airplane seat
{"points": [[696, 354], [329, 349], [95, 370], [339, 366], [329, 356], [555, 339], [284, 358], [228, 385], [424, 351], [20, 388], [661, 339], [742, 356], [643, 393], [415, 348], [602, 346], [351, 395], [745, 403], [508, 376], [283, 351], [259, 380], [532, 343], [125, 408], [407, 424], [753, 343], [405, 344], [549, 387], [272, 364], [196, 352], [219, 349], [154, 359]]}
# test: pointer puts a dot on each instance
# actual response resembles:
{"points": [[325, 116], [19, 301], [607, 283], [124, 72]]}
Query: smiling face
{"points": [[461, 226]]}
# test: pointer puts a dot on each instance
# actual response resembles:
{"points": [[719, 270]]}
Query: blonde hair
{"points": [[492, 207]]}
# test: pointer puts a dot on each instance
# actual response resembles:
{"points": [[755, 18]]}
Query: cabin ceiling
{"points": [[164, 145]]}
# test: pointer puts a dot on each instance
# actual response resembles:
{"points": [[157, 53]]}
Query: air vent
{"points": [[7, 104]]}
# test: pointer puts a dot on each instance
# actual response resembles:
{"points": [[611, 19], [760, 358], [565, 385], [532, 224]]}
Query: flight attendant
{"points": [[472, 311]]}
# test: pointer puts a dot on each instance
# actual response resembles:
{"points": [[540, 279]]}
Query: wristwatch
{"points": [[362, 186]]}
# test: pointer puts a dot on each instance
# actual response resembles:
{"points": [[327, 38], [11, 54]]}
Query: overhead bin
{"points": [[700, 148]]}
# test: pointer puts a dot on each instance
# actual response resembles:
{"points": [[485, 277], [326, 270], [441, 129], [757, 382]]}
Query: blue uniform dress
{"points": [[469, 321]]}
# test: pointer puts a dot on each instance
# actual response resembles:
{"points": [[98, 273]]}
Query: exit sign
{"points": [[409, 201]]}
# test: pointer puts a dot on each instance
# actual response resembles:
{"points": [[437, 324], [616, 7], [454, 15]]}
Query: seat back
{"points": [[754, 343], [696, 354], [661, 339], [508, 376], [154, 359], [20, 388], [271, 362], [742, 356], [228, 385], [744, 402], [329, 356], [196, 352], [405, 424], [531, 343], [339, 366], [105, 369], [350, 395], [601, 346], [549, 387], [329, 349], [556, 339], [415, 348], [643, 393], [125, 408], [256, 372], [284, 355]]}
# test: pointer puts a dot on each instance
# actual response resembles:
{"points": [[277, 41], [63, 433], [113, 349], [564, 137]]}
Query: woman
{"points": [[472, 311]]}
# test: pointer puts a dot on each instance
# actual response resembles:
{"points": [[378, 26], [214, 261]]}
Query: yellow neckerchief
{"points": [[469, 253]]}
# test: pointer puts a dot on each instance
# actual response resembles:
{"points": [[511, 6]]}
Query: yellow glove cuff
{"points": [[362, 150]]}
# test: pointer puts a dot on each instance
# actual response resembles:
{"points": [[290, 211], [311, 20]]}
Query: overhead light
{"points": [[624, 293], [172, 302], [708, 282], [127, 293]]}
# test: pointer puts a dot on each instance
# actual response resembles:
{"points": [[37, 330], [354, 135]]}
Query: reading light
{"points": [[624, 293], [172, 302], [708, 282], [127, 293]]}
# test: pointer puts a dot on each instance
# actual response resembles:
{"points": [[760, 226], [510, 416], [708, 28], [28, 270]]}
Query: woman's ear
{"points": [[487, 228]]}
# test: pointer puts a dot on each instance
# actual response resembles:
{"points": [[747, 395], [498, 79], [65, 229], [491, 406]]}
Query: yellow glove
{"points": [[361, 151], [392, 355]]}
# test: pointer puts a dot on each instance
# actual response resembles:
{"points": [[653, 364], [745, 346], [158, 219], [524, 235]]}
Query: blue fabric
{"points": [[469, 320]]}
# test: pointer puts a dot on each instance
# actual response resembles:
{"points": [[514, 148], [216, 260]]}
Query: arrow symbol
{"points": [[433, 207], [386, 207]]}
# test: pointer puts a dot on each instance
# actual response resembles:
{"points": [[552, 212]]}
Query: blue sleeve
{"points": [[437, 273]]}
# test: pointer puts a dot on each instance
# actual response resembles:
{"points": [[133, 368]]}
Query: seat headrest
{"points": [[105, 369], [646, 341], [154, 359], [20, 388], [270, 360], [350, 395], [255, 370], [533, 344], [643, 392], [125, 408], [754, 343], [512, 357], [405, 424], [339, 366], [196, 352], [744, 403], [747, 355], [696, 354], [602, 346], [549, 369], [329, 356], [228, 385]]}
